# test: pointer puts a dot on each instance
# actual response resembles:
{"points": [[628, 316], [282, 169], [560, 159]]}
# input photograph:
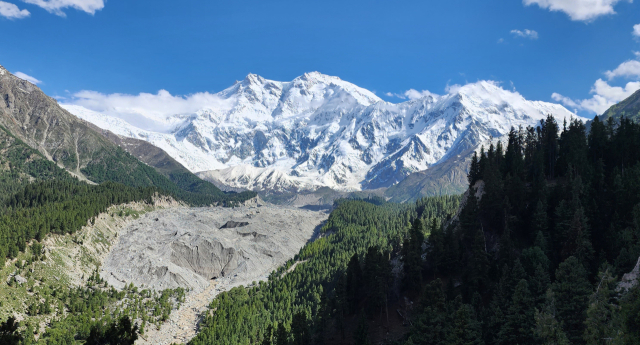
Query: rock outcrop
{"points": [[630, 279]]}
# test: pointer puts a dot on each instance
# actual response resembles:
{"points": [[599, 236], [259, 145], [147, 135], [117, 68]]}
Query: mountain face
{"points": [[31, 119], [320, 131]]}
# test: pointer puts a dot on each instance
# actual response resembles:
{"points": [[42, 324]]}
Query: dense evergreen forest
{"points": [[537, 256], [534, 255], [301, 304], [21, 165]]}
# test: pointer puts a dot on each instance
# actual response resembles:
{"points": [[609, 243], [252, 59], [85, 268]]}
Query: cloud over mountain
{"points": [[27, 78]]}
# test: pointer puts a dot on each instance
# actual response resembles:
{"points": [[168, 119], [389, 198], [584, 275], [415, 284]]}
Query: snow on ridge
{"points": [[319, 130]]}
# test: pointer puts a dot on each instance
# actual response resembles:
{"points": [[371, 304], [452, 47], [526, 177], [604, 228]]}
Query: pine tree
{"points": [[9, 333], [465, 328], [267, 336], [548, 330], [436, 252], [631, 316], [499, 307], [282, 336], [540, 282], [539, 221], [572, 290], [354, 283], [412, 256], [514, 159], [603, 320], [519, 321], [429, 327], [549, 129], [474, 170], [361, 336], [300, 329], [477, 265]]}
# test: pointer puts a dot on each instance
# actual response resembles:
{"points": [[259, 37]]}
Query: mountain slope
{"points": [[38, 121], [161, 162], [320, 131], [629, 108], [21, 165], [447, 178]]}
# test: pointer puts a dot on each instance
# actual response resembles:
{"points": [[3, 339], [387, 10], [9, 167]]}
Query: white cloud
{"points": [[56, 6], [27, 77], [412, 94], [501, 40], [11, 11], [604, 96], [415, 94], [568, 102], [146, 110], [453, 88], [636, 30], [584, 10], [391, 94], [531, 34], [629, 68]]}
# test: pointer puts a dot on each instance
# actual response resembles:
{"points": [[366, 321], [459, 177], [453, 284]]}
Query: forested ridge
{"points": [[120, 166], [534, 255]]}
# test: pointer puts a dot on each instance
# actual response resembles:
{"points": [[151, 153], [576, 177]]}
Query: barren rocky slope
{"points": [[187, 247], [206, 250]]}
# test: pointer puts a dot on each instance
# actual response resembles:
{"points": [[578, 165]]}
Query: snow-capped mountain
{"points": [[319, 130]]}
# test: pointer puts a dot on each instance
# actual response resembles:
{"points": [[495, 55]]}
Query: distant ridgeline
{"points": [[533, 256], [37, 197]]}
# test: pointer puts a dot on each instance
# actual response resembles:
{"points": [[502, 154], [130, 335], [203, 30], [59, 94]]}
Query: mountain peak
{"points": [[253, 79]]}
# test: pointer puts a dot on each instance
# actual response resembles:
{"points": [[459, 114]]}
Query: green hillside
{"points": [[629, 108]]}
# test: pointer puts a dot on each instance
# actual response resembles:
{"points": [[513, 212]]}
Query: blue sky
{"points": [[542, 48]]}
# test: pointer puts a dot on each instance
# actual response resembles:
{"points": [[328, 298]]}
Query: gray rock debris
{"points": [[231, 224], [186, 247], [630, 279], [20, 280]]}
